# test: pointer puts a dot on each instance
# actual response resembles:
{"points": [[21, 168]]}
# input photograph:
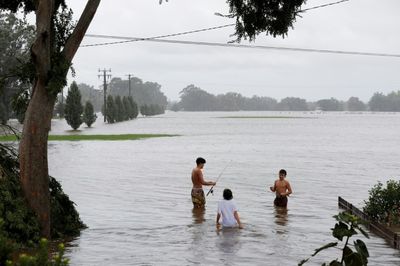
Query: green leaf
{"points": [[362, 250], [341, 230], [354, 259], [335, 263], [329, 245]]}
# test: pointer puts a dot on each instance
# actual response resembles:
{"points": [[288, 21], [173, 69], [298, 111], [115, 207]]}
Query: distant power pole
{"points": [[129, 83], [105, 77]]}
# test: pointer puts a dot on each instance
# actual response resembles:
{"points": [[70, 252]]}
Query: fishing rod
{"points": [[211, 189]]}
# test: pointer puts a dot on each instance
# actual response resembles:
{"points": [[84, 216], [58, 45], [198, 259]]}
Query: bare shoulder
{"points": [[196, 171]]}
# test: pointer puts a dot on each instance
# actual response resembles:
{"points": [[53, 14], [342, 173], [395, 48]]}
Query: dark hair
{"points": [[227, 194], [282, 171], [200, 160]]}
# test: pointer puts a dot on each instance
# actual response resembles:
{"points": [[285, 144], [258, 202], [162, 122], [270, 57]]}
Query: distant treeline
{"points": [[144, 93], [196, 99]]}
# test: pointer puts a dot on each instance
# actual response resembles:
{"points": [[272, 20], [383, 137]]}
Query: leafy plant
{"points": [[347, 226], [383, 204], [42, 257]]}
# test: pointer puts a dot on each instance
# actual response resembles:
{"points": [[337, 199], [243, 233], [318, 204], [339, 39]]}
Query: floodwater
{"points": [[135, 195]]}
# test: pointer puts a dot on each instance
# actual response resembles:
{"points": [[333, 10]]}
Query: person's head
{"points": [[200, 162], [282, 174], [227, 194]]}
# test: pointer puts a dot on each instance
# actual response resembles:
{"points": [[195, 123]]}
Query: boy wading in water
{"points": [[227, 210], [282, 190], [198, 198]]}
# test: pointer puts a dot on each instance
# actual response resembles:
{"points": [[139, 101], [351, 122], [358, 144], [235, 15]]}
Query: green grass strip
{"points": [[267, 117], [94, 137]]}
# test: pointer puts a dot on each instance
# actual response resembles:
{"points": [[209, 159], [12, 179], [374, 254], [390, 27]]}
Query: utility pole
{"points": [[105, 77], [129, 83]]}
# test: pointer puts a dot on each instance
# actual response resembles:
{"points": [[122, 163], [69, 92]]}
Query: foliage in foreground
{"points": [[347, 225], [383, 204], [19, 226], [41, 258]]}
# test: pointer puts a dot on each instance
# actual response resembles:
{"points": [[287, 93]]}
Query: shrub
{"points": [[383, 204]]}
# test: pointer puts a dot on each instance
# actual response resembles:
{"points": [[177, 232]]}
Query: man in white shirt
{"points": [[227, 210]]}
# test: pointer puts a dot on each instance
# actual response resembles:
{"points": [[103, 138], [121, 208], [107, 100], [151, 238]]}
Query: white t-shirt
{"points": [[226, 208]]}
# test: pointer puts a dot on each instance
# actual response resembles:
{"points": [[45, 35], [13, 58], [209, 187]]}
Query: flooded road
{"points": [[135, 195]]}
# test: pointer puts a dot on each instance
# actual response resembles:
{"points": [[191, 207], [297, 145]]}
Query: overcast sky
{"points": [[356, 25]]}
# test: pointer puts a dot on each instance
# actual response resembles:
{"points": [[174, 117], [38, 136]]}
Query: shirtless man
{"points": [[198, 198], [282, 189]]}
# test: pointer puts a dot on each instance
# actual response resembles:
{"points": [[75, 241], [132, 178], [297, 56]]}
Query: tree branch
{"points": [[76, 37]]}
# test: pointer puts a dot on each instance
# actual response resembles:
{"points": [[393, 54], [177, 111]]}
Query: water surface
{"points": [[135, 195]]}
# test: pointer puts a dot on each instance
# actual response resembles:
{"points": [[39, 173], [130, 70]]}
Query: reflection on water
{"points": [[133, 194], [228, 244], [198, 215], [281, 216]]}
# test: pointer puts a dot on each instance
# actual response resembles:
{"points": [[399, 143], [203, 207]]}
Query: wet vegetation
{"points": [[383, 204], [19, 226], [94, 137], [355, 254]]}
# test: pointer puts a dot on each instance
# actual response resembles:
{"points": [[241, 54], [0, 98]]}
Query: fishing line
{"points": [[211, 189]]}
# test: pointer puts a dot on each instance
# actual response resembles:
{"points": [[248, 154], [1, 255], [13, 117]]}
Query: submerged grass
{"points": [[94, 137]]}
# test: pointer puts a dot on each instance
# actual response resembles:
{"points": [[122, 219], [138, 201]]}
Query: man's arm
{"points": [[273, 189], [218, 217], [202, 181], [236, 215], [289, 189]]}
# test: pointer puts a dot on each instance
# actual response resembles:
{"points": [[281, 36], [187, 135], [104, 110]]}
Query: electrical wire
{"points": [[180, 33]]}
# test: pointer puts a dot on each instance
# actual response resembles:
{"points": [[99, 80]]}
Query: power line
{"points": [[231, 45], [325, 5], [188, 32]]}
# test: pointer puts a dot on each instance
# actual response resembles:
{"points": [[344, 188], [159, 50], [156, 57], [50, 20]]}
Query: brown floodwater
{"points": [[135, 195]]}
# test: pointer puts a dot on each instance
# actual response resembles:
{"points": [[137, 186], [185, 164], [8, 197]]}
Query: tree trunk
{"points": [[33, 155], [34, 174]]}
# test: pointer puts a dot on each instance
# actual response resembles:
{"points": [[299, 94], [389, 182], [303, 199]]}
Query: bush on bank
{"points": [[383, 204], [19, 226]]}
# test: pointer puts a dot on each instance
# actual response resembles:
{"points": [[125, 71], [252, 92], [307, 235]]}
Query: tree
{"points": [[196, 99], [89, 117], [16, 38], [53, 49], [354, 104], [56, 42], [293, 104], [73, 107], [330, 105], [379, 103], [111, 110], [127, 108], [119, 109]]}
